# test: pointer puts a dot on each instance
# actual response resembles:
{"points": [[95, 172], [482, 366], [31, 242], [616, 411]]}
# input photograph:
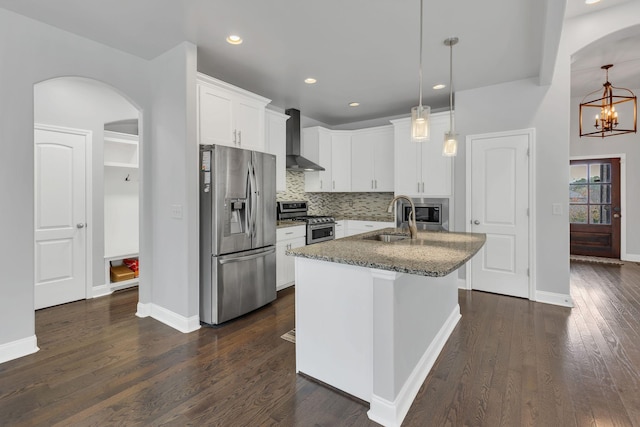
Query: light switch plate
{"points": [[557, 208], [176, 211]]}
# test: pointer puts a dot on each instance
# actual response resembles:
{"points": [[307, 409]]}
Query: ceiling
{"points": [[358, 50]]}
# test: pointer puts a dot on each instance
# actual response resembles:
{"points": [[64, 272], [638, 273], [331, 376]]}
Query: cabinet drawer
{"points": [[287, 233], [369, 225]]}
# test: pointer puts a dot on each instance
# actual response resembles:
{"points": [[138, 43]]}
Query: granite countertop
{"points": [[285, 224], [388, 218], [433, 253]]}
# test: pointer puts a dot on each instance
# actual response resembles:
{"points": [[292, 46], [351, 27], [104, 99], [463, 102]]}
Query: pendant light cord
{"points": [[420, 100]]}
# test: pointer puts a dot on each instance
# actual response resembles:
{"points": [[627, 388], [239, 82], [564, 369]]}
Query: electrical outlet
{"points": [[556, 208], [176, 211]]}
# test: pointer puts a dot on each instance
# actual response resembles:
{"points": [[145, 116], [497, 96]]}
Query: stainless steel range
{"points": [[319, 228]]}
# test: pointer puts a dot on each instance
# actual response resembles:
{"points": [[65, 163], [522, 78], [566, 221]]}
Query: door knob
{"points": [[616, 215], [476, 222], [80, 225]]}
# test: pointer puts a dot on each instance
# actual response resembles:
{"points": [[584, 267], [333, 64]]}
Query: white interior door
{"points": [[499, 207], [60, 223]]}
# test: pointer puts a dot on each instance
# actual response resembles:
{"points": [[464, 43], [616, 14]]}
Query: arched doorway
{"points": [[86, 188], [621, 48]]}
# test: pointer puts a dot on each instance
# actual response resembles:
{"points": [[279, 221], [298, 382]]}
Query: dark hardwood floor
{"points": [[509, 362]]}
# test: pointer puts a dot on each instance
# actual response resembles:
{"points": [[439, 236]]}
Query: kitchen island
{"points": [[373, 312]]}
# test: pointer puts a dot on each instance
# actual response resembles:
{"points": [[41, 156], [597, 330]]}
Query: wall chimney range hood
{"points": [[294, 160]]}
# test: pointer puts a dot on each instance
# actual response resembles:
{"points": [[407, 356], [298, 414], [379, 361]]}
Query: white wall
{"points": [[524, 104], [86, 104], [33, 52], [627, 144], [174, 181]]}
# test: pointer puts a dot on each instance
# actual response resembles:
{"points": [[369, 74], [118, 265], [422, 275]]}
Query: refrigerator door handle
{"points": [[254, 197], [247, 257]]}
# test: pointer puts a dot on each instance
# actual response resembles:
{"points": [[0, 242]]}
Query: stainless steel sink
{"points": [[387, 238]]}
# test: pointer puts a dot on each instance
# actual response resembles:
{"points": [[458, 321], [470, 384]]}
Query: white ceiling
{"points": [[359, 50]]}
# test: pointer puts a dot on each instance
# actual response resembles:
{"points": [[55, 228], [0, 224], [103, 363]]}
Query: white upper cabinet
{"points": [[230, 116], [420, 168], [276, 144], [340, 161], [316, 146], [372, 163], [332, 151]]}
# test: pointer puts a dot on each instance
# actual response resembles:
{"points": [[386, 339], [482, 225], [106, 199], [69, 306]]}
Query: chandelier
{"points": [[607, 121]]}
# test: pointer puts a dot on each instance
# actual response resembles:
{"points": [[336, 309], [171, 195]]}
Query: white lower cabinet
{"points": [[340, 229], [287, 238], [357, 227]]}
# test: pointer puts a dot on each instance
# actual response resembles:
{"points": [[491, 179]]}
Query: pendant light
{"points": [[607, 121], [450, 146], [420, 115]]}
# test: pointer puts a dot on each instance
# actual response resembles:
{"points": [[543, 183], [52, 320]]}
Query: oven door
{"points": [[317, 233]]}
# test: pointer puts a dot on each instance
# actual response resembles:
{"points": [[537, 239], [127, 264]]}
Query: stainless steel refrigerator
{"points": [[237, 232]]}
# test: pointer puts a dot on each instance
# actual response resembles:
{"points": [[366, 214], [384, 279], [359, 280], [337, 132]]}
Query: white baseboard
{"points": [[143, 309], [462, 284], [563, 300], [631, 257], [19, 348], [101, 291], [391, 414], [168, 317]]}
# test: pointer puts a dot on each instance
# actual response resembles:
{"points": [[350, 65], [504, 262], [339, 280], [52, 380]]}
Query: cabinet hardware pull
{"points": [[321, 184], [239, 137], [371, 183], [423, 187], [234, 136], [376, 181], [418, 187], [289, 232], [334, 185]]}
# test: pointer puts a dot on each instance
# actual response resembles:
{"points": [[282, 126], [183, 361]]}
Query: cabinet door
{"points": [[362, 163], [407, 161], [341, 161], [215, 116], [383, 163], [436, 168], [249, 124], [275, 143], [285, 265], [316, 146]]}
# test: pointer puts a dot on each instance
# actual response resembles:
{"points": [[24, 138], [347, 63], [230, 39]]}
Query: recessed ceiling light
{"points": [[234, 39], [310, 80], [591, 1], [439, 86], [354, 104]]}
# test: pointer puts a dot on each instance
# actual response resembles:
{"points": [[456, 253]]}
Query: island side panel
{"points": [[414, 317], [334, 325]]}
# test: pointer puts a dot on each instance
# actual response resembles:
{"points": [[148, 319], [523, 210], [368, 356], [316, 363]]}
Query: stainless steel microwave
{"points": [[431, 213]]}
